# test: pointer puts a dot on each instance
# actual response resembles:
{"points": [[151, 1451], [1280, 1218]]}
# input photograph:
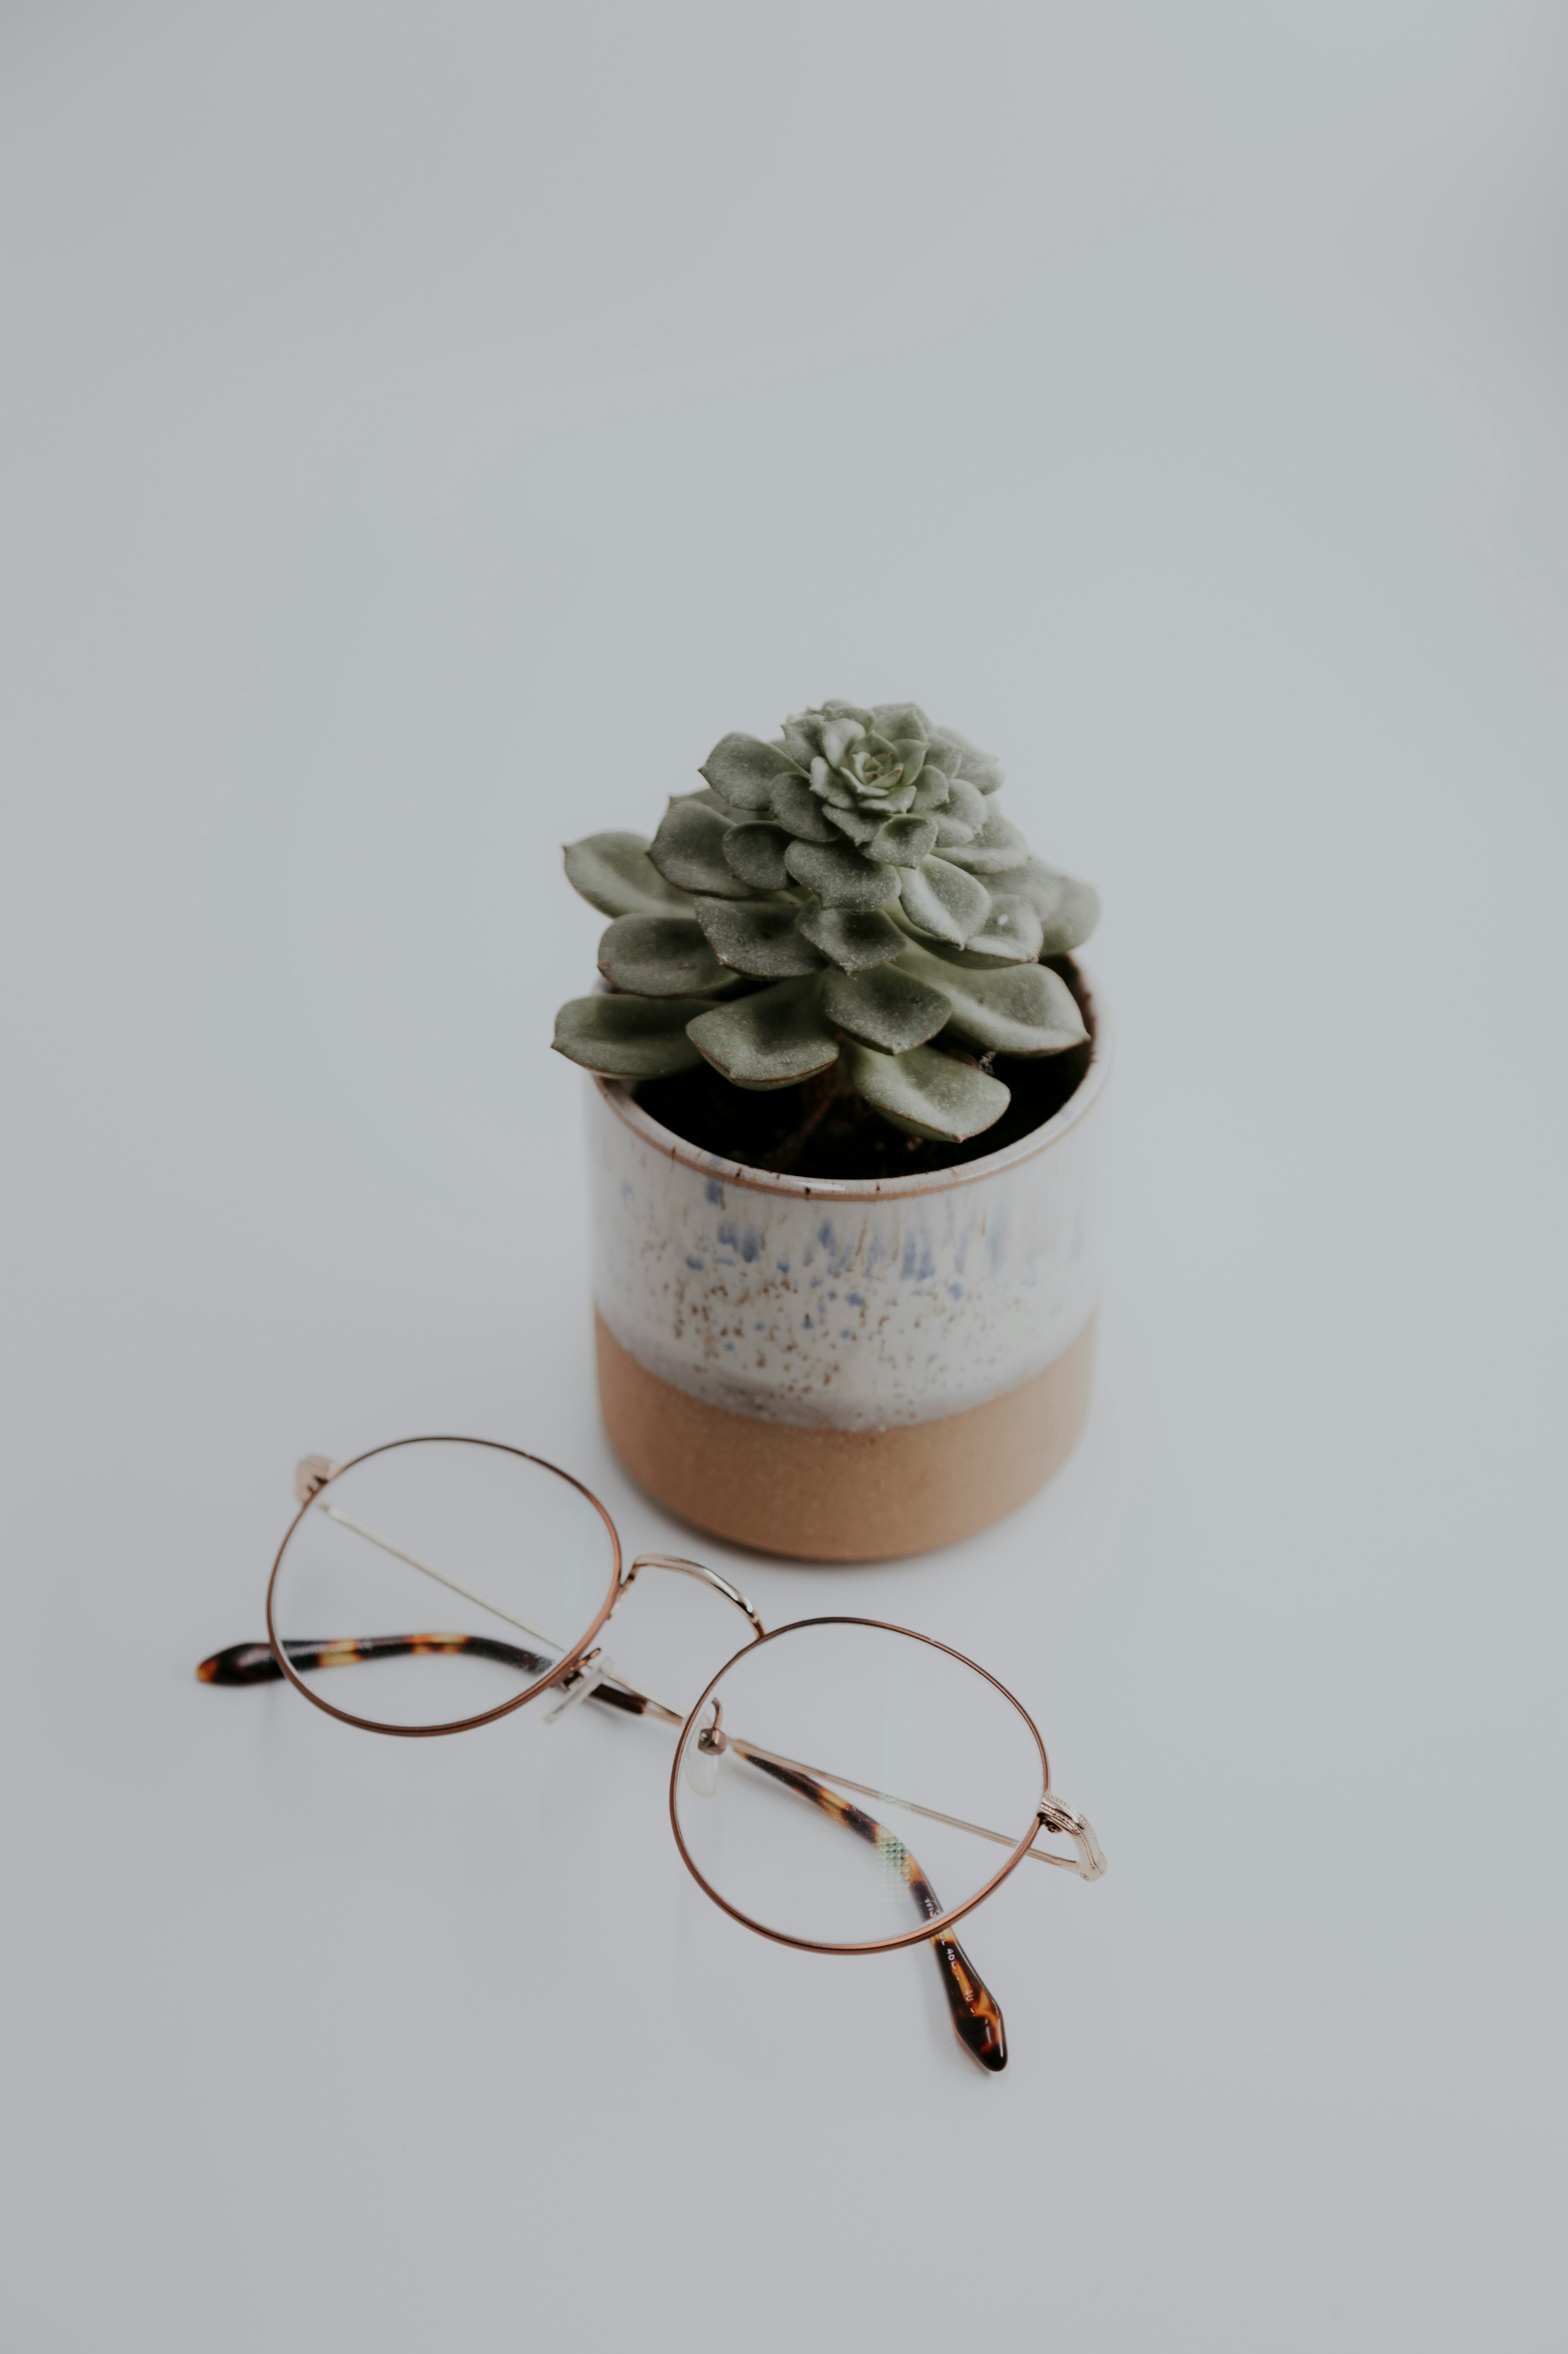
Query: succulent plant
{"points": [[848, 895]]}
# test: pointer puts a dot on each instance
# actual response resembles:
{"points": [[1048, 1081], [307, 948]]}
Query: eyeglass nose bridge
{"points": [[705, 1576]]}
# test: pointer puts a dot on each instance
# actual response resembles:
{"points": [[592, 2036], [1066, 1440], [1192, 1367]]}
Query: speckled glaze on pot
{"points": [[849, 1305]]}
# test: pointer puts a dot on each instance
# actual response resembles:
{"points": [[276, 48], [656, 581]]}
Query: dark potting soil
{"points": [[768, 1130]]}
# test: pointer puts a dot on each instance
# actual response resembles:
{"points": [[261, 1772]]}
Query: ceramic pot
{"points": [[845, 1369]]}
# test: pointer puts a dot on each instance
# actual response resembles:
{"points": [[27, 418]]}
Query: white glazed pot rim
{"points": [[865, 1189]]}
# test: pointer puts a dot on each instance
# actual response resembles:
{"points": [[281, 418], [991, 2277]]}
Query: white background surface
{"points": [[426, 430]]}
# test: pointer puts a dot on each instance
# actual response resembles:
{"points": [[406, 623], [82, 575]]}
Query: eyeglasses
{"points": [[831, 1723]]}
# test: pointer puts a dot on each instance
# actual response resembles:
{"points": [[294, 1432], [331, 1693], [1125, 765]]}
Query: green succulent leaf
{"points": [[798, 738], [840, 877], [1013, 930], [1027, 1009], [927, 1093], [743, 769], [996, 847], [688, 851], [771, 1040], [903, 840], [962, 814], [758, 937], [614, 873], [800, 811], [952, 831], [940, 898], [932, 793], [961, 759], [661, 956], [705, 798], [830, 787], [838, 734], [854, 939], [756, 853], [859, 825], [900, 720], [629, 1037], [1067, 909], [1075, 920], [888, 1008]]}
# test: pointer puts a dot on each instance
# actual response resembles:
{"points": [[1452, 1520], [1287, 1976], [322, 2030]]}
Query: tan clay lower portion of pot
{"points": [[842, 1495]]}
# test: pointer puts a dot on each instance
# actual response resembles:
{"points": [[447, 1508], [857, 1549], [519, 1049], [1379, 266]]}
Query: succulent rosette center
{"points": [[854, 761], [870, 768]]}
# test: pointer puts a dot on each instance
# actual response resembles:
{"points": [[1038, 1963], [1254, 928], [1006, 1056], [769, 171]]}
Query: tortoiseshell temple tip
{"points": [[242, 1663], [977, 2015]]}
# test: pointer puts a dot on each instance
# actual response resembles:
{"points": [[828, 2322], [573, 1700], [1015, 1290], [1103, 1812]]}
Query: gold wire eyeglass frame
{"points": [[582, 1672]]}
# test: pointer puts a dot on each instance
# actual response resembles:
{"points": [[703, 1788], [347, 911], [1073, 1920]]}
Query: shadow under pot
{"points": [[847, 1368]]}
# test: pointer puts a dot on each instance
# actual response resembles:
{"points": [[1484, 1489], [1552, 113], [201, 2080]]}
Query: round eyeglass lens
{"points": [[842, 1784], [432, 1582]]}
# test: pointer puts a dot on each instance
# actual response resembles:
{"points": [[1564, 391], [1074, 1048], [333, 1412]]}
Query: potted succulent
{"points": [[842, 1141]]}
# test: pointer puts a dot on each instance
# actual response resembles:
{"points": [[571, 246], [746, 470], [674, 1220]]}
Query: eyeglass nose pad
{"points": [[703, 1754], [1089, 1863], [312, 1473]]}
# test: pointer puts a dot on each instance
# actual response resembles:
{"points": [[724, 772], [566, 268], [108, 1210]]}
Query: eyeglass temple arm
{"points": [[1051, 1815], [976, 2014], [253, 1663]]}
